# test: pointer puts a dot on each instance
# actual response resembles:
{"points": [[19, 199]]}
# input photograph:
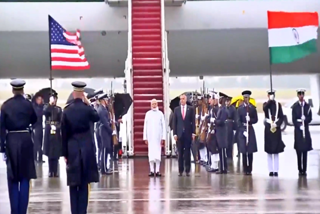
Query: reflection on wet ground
{"points": [[130, 190]]}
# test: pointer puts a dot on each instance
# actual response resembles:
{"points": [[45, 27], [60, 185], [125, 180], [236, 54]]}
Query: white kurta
{"points": [[154, 131]]}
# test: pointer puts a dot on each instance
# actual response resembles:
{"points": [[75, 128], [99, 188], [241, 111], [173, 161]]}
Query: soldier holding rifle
{"points": [[273, 144], [301, 118], [247, 116]]}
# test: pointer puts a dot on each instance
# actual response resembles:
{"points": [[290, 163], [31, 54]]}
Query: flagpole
{"points": [[270, 70], [50, 60]]}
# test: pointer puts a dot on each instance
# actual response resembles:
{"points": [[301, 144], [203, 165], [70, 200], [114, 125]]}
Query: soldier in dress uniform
{"points": [[301, 118], [247, 116], [106, 134], [78, 149], [230, 127], [221, 135], [212, 144], [52, 134], [273, 144], [38, 129], [17, 114]]}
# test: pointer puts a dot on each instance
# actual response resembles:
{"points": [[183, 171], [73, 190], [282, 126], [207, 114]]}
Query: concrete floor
{"points": [[130, 190]]}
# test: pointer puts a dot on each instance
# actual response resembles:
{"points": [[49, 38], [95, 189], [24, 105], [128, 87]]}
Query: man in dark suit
{"points": [[184, 133]]}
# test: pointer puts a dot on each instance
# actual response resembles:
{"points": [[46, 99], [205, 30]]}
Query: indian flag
{"points": [[292, 36]]}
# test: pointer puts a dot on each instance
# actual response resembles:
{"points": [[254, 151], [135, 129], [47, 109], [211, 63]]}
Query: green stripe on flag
{"points": [[292, 53]]}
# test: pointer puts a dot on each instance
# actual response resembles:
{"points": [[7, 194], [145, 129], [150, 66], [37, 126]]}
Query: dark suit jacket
{"points": [[187, 124]]}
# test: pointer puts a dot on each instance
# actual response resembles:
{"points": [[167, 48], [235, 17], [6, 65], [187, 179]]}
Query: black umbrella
{"points": [[86, 90], [121, 104], [45, 93], [176, 102]]}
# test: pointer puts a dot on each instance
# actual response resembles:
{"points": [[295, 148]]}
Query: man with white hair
{"points": [[154, 134]]}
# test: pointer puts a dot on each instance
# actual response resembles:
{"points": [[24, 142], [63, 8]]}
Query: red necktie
{"points": [[183, 112]]}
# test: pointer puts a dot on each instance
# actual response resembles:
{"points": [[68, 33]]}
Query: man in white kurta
{"points": [[154, 134]]}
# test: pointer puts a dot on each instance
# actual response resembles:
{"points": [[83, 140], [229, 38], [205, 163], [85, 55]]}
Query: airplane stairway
{"points": [[147, 76]]}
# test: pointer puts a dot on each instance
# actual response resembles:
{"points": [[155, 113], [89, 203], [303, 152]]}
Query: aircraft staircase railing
{"points": [[127, 147], [166, 74]]}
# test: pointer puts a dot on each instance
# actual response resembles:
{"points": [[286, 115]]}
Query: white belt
{"points": [[299, 120], [270, 121], [18, 131]]}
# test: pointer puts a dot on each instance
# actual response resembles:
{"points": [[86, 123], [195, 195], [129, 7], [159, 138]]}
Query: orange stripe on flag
{"points": [[292, 20]]}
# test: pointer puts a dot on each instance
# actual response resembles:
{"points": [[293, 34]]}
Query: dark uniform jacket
{"points": [[52, 140], [220, 125], [241, 122], [105, 127], [302, 143], [212, 143], [273, 143], [17, 114], [231, 124], [77, 145]]}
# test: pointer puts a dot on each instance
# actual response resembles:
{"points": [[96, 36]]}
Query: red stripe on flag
{"points": [[61, 67], [292, 19], [64, 59]]}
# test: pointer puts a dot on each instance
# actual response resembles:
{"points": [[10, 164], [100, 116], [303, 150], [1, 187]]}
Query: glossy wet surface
{"points": [[130, 190]]}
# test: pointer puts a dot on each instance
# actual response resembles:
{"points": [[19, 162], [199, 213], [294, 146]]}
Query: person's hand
{"points": [[114, 132], [175, 138], [120, 121], [146, 142], [248, 118], [197, 116], [4, 157], [193, 136], [66, 160], [203, 118], [212, 119], [303, 117], [85, 100]]}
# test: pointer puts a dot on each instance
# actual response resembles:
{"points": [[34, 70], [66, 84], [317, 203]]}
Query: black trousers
{"points": [[79, 197], [223, 160], [247, 160], [302, 158], [37, 136], [184, 157], [53, 165]]}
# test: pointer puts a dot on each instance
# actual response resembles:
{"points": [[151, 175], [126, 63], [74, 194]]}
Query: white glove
{"points": [[212, 120], [247, 118], [209, 124], [203, 118], [197, 116], [303, 117], [273, 125], [53, 128], [114, 132], [4, 157], [301, 128], [245, 134], [212, 132]]}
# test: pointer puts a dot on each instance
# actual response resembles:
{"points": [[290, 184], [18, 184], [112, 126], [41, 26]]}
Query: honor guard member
{"points": [[220, 124], [212, 144], [52, 134], [78, 149], [38, 129], [17, 114], [247, 116], [106, 133], [230, 127], [273, 144], [301, 118]]}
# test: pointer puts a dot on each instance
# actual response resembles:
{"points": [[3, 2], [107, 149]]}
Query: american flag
{"points": [[66, 50]]}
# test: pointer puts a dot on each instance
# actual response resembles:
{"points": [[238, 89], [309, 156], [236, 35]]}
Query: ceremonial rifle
{"points": [[112, 117], [247, 123]]}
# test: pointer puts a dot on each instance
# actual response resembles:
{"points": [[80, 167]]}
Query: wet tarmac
{"points": [[130, 190]]}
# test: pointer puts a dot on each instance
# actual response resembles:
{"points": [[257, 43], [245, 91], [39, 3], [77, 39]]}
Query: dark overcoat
{"points": [[77, 145], [231, 124], [17, 114], [302, 143], [220, 125], [105, 128], [37, 127], [212, 144], [251, 147], [273, 143], [52, 145]]}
